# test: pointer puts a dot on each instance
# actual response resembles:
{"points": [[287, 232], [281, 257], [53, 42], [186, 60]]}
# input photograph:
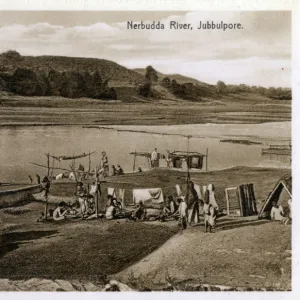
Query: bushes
{"points": [[72, 84], [12, 55], [145, 89]]}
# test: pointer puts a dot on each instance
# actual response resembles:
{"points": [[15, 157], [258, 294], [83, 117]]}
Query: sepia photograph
{"points": [[145, 151]]}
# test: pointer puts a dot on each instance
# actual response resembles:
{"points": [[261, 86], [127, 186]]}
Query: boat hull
{"points": [[14, 196]]}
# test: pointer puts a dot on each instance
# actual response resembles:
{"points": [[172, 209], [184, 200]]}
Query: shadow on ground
{"points": [[10, 241]]}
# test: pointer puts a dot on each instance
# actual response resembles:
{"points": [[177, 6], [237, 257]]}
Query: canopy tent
{"points": [[281, 193], [194, 160], [64, 157]]}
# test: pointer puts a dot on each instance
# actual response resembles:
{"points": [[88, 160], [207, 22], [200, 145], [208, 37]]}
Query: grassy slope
{"points": [[178, 77], [264, 179], [107, 68], [30, 249], [248, 256]]}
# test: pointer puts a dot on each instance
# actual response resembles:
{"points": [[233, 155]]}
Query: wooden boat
{"points": [[11, 196], [285, 150]]}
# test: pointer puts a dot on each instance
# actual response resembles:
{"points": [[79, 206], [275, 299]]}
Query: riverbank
{"points": [[98, 250], [50, 111]]}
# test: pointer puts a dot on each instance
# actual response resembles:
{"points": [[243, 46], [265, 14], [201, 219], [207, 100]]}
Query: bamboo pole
{"points": [[89, 162], [206, 160], [187, 167], [46, 192], [97, 196], [134, 161], [48, 165]]}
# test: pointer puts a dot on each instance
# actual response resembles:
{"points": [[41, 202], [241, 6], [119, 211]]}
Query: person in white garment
{"points": [[154, 158], [277, 213]]}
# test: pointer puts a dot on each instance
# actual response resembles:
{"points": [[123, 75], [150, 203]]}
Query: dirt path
{"points": [[256, 256]]}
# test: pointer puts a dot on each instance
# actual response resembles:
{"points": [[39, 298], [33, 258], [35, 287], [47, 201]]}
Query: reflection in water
{"points": [[20, 145]]}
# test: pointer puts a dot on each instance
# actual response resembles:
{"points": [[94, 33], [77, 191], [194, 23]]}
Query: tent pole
{"points": [[188, 170], [48, 173], [48, 165], [97, 197], [206, 162], [134, 161], [89, 162]]}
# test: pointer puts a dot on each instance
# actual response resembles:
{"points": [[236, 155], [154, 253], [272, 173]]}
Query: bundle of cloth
{"points": [[150, 197]]}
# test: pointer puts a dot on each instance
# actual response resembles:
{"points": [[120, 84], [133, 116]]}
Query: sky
{"points": [[259, 54]]}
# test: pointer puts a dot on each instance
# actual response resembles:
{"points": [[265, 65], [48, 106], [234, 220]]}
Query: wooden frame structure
{"points": [[282, 184], [175, 154], [72, 169], [188, 156], [227, 198]]}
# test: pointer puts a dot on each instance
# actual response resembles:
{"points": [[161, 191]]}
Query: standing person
{"points": [[104, 164], [154, 158], [193, 204], [210, 205], [30, 179], [81, 193], [38, 179], [46, 185], [183, 213], [209, 214], [168, 159]]}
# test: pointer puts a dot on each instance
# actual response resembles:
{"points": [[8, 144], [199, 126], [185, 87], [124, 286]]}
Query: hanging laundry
{"points": [[121, 195], [198, 190], [204, 189], [212, 197], [112, 192], [178, 190], [148, 196]]}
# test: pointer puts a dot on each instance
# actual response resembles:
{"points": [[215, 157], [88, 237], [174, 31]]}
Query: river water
{"points": [[21, 145]]}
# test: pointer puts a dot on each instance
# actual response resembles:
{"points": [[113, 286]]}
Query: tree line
{"points": [[190, 91], [70, 84], [271, 92]]}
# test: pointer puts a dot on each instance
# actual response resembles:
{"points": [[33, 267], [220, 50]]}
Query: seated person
{"points": [[91, 208], [117, 205], [139, 213], [110, 212], [119, 170], [59, 213], [171, 206], [277, 213]]}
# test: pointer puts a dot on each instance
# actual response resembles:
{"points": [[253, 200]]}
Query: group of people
{"points": [[187, 209], [38, 179], [104, 170], [85, 207], [155, 156]]}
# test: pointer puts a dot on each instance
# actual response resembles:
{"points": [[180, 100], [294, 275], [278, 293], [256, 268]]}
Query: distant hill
{"points": [[79, 77], [107, 69], [178, 77]]}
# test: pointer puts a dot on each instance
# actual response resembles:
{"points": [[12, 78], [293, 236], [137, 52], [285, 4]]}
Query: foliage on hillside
{"points": [[56, 80], [74, 77], [193, 89]]}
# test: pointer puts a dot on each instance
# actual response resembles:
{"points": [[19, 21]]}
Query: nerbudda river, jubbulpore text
{"points": [[174, 25]]}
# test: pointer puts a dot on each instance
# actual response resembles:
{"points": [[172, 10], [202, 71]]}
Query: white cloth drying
{"points": [[154, 195]]}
